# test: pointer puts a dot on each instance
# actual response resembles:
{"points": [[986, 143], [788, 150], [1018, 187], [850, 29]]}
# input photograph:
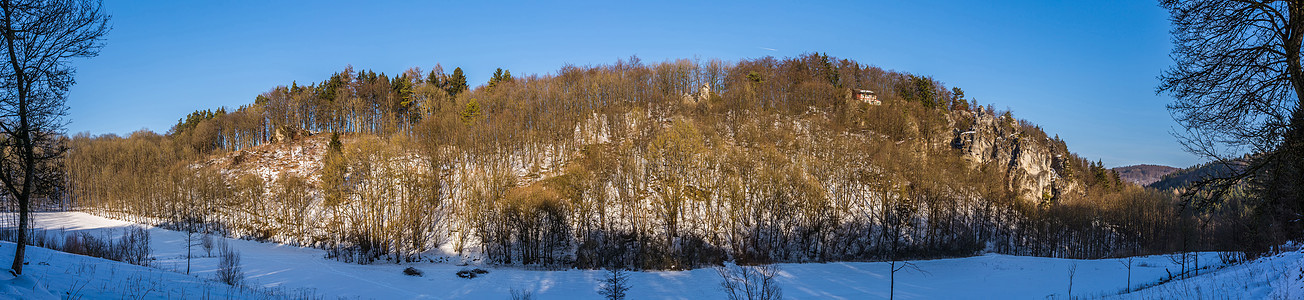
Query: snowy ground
{"points": [[1279, 276], [299, 272]]}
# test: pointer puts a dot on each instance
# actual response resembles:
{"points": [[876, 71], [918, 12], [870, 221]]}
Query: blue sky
{"points": [[1085, 70]]}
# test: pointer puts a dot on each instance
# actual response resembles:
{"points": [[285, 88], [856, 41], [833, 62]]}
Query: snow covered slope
{"points": [[57, 275], [1279, 276], [300, 272]]}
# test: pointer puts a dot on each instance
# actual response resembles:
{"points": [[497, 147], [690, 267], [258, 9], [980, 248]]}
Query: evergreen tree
{"points": [[957, 99], [456, 83], [921, 89], [402, 87], [499, 76], [496, 78], [830, 71], [437, 79], [334, 171], [471, 112]]}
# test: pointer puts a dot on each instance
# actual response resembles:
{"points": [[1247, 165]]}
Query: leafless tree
{"points": [[1238, 82], [207, 242], [1127, 263], [229, 269], [615, 284], [750, 282], [40, 38], [1073, 271], [1236, 73]]}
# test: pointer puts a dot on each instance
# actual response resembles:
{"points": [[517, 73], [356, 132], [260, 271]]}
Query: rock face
{"points": [[1031, 161]]}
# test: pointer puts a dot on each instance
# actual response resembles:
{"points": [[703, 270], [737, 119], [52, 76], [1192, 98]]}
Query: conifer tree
{"points": [[499, 76], [334, 169], [438, 79], [496, 78], [456, 83], [471, 112]]}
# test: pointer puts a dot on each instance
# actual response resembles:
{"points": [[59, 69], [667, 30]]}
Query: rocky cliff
{"points": [[1033, 163]]}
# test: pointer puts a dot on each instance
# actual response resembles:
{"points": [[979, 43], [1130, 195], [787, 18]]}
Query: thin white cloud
{"points": [[771, 49]]}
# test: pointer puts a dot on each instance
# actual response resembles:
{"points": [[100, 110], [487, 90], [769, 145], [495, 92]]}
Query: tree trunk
{"points": [[1292, 147], [891, 286], [22, 238], [24, 141]]}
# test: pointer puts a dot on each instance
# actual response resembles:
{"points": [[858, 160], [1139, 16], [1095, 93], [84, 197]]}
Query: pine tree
{"points": [[957, 99], [456, 83], [334, 170], [497, 78], [471, 112], [437, 79], [923, 90]]}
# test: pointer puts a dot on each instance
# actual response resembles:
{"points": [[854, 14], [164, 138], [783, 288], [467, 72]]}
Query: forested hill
{"points": [[674, 164], [1180, 179], [1144, 174]]}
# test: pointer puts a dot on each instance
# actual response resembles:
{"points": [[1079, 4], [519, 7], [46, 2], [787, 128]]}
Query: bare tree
{"points": [[898, 219], [40, 38], [522, 294], [1238, 82], [1236, 74], [1127, 263], [895, 266], [615, 284], [229, 269], [750, 282], [207, 242], [1073, 271]]}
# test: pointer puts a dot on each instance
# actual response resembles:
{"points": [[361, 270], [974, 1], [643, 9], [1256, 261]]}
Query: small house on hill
{"points": [[868, 96]]}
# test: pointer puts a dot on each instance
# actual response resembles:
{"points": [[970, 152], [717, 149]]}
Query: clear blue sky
{"points": [[1085, 70]]}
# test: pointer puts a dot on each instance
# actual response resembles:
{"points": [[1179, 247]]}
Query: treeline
{"points": [[667, 165], [348, 102]]}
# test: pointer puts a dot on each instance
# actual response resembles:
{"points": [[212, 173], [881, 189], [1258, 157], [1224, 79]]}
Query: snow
{"points": [[1279, 276], [285, 271], [49, 273], [23, 287]]}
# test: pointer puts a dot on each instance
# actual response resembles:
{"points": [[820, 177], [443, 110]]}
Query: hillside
{"points": [[1185, 177], [673, 165], [1275, 276], [1143, 174]]}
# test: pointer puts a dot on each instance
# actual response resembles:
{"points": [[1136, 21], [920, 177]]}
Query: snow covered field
{"points": [[302, 273]]}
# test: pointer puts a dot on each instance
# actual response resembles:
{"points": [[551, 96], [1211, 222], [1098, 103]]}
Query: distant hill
{"points": [[1184, 177], [1144, 174]]}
